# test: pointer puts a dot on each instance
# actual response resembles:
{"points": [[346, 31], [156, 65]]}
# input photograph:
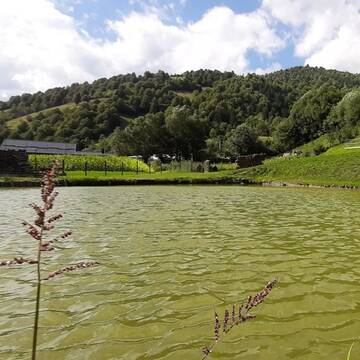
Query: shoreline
{"points": [[18, 183], [134, 182], [313, 186]]}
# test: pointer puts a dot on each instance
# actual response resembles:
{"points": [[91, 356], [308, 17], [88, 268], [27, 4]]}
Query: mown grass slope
{"points": [[339, 166]]}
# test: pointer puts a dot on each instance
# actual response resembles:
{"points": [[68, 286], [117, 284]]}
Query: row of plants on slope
{"points": [[225, 116], [88, 162]]}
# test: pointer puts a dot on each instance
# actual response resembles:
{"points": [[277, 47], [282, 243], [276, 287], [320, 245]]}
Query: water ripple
{"points": [[170, 255]]}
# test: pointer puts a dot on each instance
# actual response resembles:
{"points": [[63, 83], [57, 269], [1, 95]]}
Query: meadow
{"points": [[339, 166]]}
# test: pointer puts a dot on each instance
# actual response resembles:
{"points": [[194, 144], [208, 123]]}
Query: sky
{"points": [[49, 43]]}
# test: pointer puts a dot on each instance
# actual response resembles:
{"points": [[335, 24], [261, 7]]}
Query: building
{"points": [[14, 162], [38, 147]]}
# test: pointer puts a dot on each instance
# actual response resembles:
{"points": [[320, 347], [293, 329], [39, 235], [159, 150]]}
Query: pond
{"points": [[169, 256]]}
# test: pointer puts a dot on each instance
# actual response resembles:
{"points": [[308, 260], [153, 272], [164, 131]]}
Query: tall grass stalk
{"points": [[37, 306], [43, 224], [349, 353]]}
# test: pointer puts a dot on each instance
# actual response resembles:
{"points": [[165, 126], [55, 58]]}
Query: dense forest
{"points": [[200, 114]]}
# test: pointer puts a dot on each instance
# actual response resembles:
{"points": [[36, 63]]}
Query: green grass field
{"points": [[165, 175], [92, 178], [188, 94], [97, 178], [13, 123], [339, 166]]}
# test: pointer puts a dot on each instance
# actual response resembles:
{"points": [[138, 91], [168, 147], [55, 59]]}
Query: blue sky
{"points": [[190, 10], [48, 43]]}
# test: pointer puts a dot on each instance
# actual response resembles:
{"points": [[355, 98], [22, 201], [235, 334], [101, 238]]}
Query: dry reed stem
{"points": [[77, 266], [17, 261], [242, 316]]}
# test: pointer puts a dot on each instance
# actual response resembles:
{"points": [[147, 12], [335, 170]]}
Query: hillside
{"points": [[339, 166], [203, 114], [12, 124]]}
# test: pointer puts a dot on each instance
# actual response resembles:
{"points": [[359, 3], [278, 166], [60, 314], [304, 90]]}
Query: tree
{"points": [[308, 115], [242, 141], [345, 113], [187, 130], [213, 100], [23, 126], [104, 144], [143, 136], [77, 98], [284, 136], [118, 143], [4, 131]]}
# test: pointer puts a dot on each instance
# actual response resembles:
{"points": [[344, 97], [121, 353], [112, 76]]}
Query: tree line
{"points": [[199, 114]]}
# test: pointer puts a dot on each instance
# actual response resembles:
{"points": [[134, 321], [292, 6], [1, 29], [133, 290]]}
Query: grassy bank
{"points": [[339, 166], [99, 178]]}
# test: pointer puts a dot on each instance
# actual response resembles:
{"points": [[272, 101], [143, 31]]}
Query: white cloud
{"points": [[40, 47], [325, 32], [220, 40]]}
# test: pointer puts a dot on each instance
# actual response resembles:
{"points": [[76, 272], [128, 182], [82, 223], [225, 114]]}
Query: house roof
{"points": [[38, 147]]}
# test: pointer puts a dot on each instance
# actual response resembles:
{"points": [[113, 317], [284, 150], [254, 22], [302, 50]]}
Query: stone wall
{"points": [[250, 160], [14, 162]]}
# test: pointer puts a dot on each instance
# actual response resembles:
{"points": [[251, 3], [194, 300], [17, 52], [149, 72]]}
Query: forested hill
{"points": [[206, 114]]}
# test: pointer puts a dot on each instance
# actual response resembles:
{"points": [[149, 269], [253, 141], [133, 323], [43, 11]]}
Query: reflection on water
{"points": [[170, 255]]}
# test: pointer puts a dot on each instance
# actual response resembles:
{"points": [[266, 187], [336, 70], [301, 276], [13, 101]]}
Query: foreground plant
{"points": [[42, 225], [349, 353], [239, 315]]}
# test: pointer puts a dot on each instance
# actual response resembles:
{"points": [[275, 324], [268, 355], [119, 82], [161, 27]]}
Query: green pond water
{"points": [[170, 256]]}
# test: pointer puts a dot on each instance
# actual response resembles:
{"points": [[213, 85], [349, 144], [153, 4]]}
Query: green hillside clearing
{"points": [[13, 123], [339, 166]]}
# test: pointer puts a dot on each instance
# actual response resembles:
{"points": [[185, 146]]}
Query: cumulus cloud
{"points": [[325, 32], [219, 40], [41, 47]]}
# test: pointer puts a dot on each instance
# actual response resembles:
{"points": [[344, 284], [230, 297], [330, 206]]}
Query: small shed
{"points": [[38, 147], [250, 160], [14, 162]]}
